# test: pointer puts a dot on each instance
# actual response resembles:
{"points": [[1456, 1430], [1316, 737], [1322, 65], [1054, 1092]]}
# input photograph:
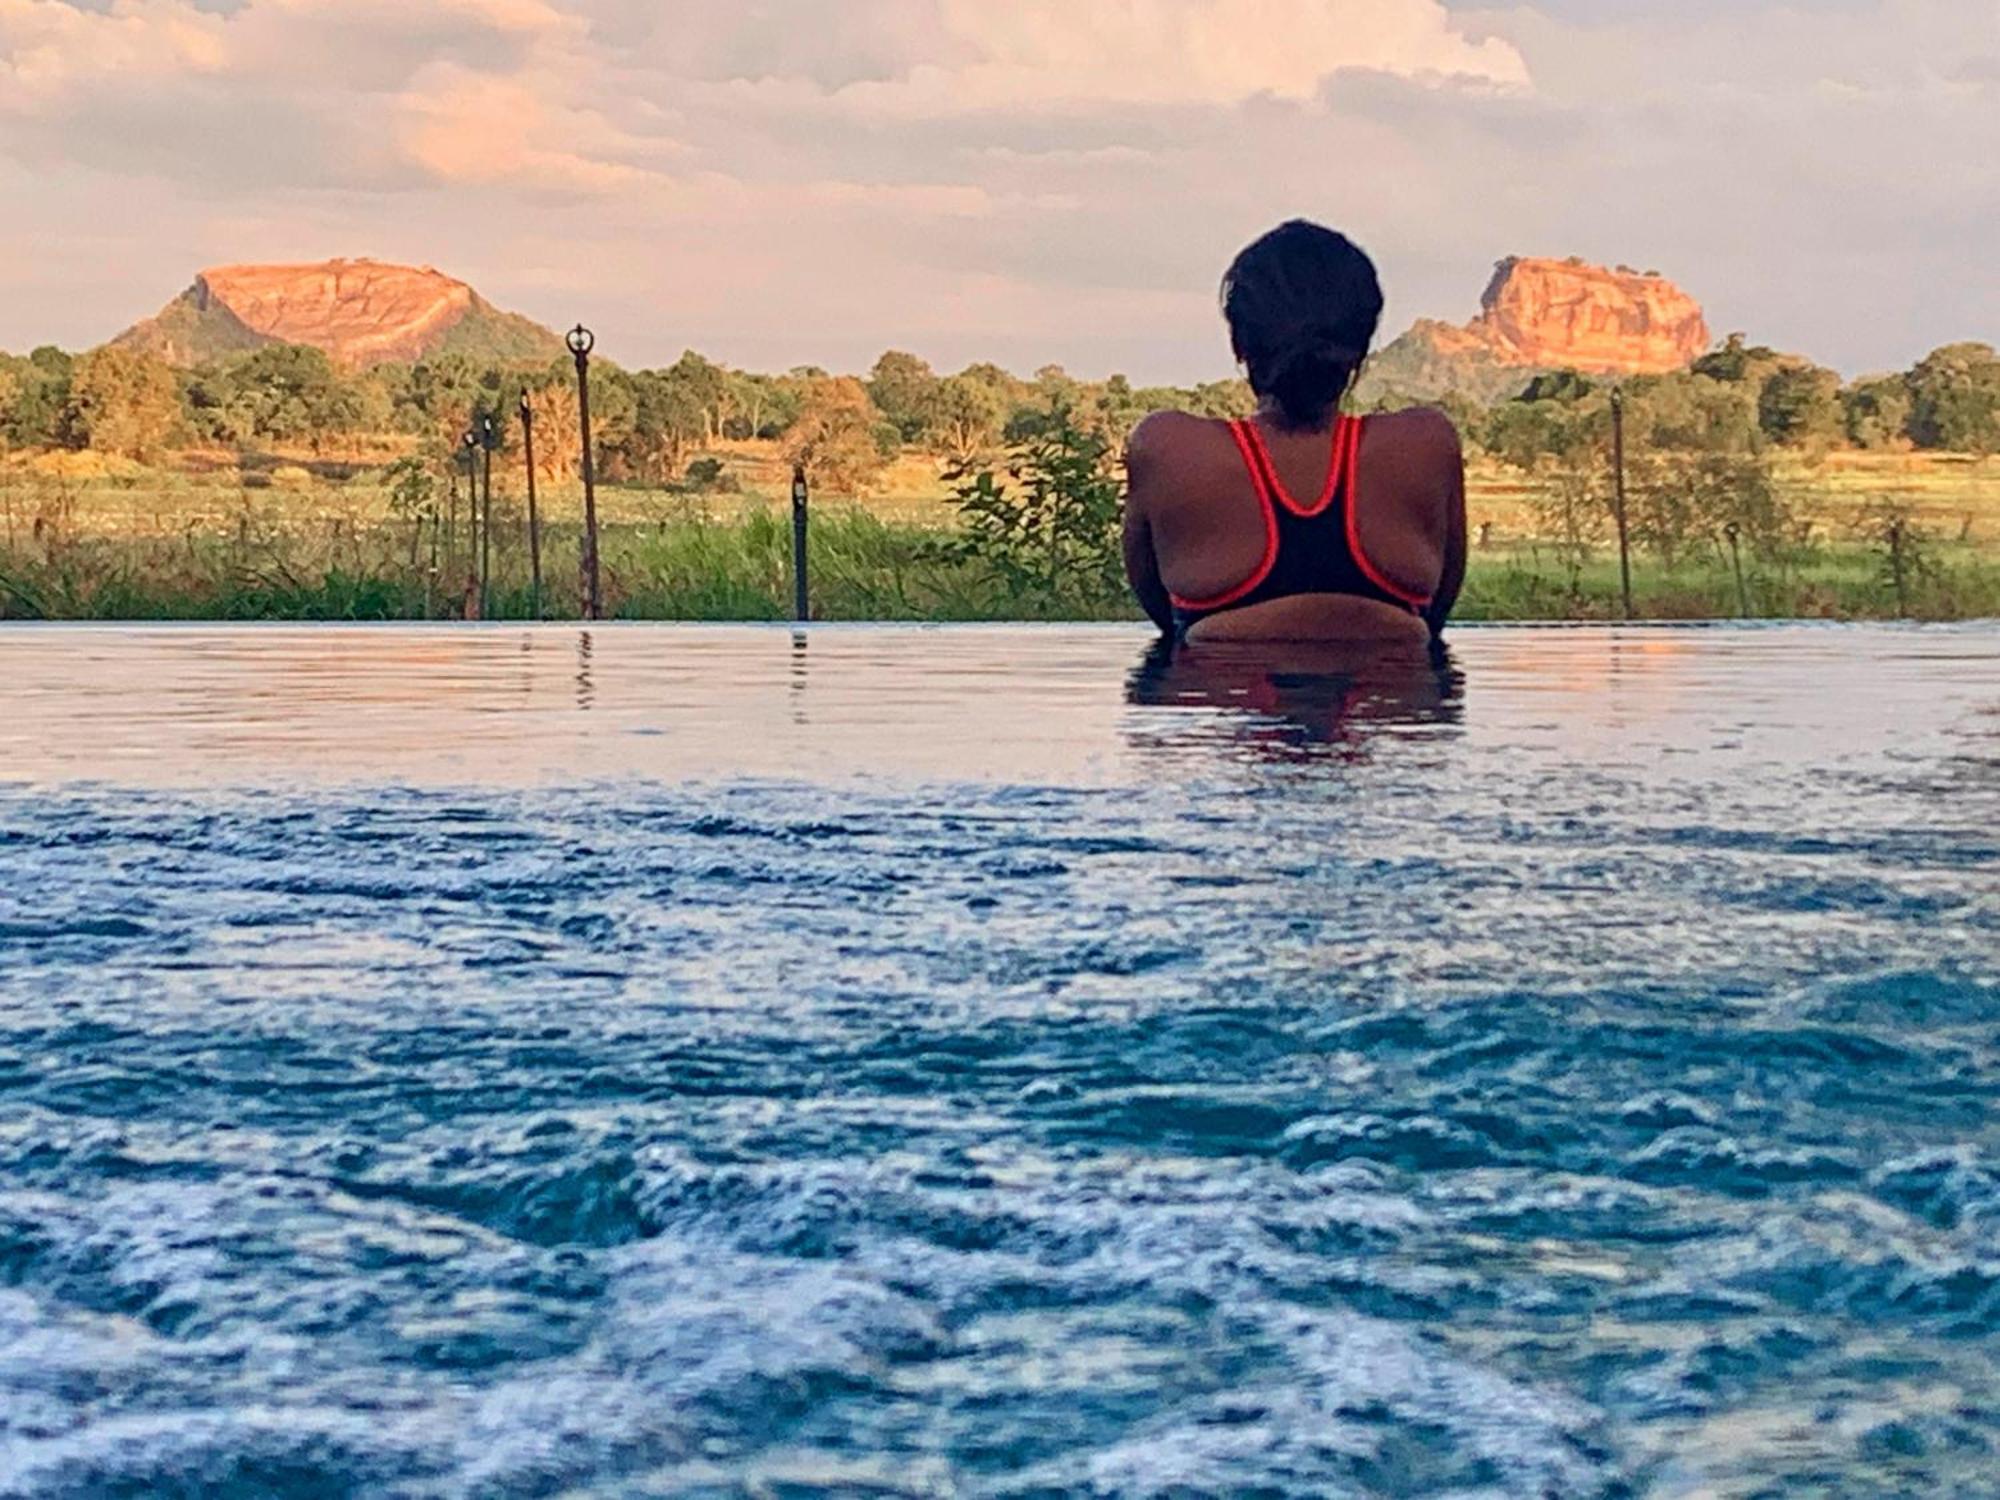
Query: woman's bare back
{"points": [[1195, 527]]}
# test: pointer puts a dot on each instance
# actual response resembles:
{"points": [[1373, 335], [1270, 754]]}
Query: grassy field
{"points": [[291, 537]]}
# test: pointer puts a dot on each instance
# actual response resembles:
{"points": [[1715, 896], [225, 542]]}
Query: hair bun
{"points": [[1308, 373]]}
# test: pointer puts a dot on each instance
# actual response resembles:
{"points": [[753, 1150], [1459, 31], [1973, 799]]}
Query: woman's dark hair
{"points": [[1303, 304]]}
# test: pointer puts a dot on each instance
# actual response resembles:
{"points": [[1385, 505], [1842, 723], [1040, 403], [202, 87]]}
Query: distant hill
{"points": [[360, 312], [1539, 315]]}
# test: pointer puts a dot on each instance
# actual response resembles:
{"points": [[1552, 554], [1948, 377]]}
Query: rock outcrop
{"points": [[1564, 314], [1541, 314], [360, 312]]}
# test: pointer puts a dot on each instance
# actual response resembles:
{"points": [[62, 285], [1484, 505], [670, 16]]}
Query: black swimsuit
{"points": [[1312, 549]]}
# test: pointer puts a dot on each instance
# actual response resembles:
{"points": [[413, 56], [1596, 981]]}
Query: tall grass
{"points": [[188, 552], [863, 568]]}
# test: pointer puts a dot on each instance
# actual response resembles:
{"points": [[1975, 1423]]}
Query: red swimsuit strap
{"points": [[1338, 466]]}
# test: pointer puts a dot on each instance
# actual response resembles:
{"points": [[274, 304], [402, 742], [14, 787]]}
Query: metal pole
{"points": [[431, 574], [801, 586], [471, 446], [489, 439], [534, 512], [1735, 533], [1618, 497], [581, 341]]}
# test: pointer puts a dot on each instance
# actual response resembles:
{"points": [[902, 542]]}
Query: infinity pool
{"points": [[674, 1061]]}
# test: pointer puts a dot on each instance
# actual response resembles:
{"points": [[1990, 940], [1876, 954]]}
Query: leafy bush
{"points": [[1051, 527]]}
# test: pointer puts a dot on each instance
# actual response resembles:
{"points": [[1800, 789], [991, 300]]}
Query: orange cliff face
{"points": [[1564, 314], [360, 312]]}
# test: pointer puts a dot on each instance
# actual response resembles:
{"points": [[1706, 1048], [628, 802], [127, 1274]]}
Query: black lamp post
{"points": [[581, 341], [801, 589], [1618, 496], [534, 513], [470, 443], [488, 431]]}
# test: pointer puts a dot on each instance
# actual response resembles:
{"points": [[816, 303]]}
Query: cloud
{"points": [[789, 180], [50, 51], [1039, 54], [373, 94], [460, 126]]}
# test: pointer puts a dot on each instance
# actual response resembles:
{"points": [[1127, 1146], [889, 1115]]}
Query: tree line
{"points": [[655, 425]]}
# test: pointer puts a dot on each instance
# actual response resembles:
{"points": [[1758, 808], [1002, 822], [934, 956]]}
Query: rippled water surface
{"points": [[713, 1062]]}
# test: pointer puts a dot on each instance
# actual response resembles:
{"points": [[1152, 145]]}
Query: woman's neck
{"points": [[1270, 415]]}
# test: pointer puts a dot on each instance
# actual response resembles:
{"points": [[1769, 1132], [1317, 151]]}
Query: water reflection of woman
{"points": [[1288, 699]]}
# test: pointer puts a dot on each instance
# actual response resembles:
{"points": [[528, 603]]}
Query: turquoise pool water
{"points": [[900, 1062]]}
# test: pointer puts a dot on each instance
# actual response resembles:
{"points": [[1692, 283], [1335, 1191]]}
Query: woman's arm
{"points": [[1142, 563], [1452, 581]]}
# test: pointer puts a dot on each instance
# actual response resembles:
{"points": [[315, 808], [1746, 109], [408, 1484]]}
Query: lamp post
{"points": [[801, 587], [1618, 497], [581, 341], [488, 431], [534, 513], [470, 443], [1734, 533]]}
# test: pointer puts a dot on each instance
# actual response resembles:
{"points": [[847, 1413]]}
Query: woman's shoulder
{"points": [[1172, 429], [1420, 427], [1168, 447]]}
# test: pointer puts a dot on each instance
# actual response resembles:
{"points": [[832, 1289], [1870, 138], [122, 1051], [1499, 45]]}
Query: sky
{"points": [[784, 182]]}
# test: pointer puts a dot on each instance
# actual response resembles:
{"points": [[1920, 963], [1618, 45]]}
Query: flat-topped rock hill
{"points": [[360, 312], [1541, 314]]}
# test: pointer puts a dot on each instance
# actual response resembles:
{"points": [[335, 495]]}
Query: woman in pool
{"points": [[1301, 523]]}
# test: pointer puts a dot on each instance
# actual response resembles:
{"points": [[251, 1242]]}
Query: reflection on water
{"points": [[1284, 700], [653, 1061], [586, 697], [510, 706]]}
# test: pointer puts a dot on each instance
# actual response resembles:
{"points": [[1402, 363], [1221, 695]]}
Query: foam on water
{"points": [[982, 1062]]}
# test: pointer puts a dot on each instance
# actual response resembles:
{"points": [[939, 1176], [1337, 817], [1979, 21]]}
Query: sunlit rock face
{"points": [[1564, 314], [360, 312]]}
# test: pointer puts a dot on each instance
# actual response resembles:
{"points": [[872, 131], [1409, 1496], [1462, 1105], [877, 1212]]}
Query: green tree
{"points": [[1738, 361], [836, 438], [1526, 433], [1222, 398], [904, 389], [1558, 385], [123, 402], [34, 417], [765, 406], [708, 387], [434, 399], [1955, 399], [668, 423], [1875, 413], [10, 391], [962, 417], [1799, 406], [287, 393]]}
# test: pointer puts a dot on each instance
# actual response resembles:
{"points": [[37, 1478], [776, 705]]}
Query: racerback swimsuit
{"points": [[1308, 549]]}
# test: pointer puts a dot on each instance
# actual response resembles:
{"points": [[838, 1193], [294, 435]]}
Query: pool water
{"points": [[677, 1061]]}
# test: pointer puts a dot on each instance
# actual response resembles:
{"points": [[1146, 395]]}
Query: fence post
{"points": [[581, 341], [1618, 498], [801, 585]]}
